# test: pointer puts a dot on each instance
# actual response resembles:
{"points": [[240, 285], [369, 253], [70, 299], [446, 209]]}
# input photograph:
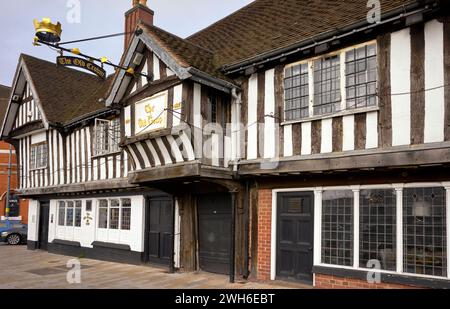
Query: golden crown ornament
{"points": [[46, 31]]}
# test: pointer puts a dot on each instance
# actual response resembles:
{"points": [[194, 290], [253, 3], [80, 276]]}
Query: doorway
{"points": [[43, 225], [295, 236], [214, 232]]}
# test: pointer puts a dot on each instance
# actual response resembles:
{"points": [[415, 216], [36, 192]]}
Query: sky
{"points": [[89, 18]]}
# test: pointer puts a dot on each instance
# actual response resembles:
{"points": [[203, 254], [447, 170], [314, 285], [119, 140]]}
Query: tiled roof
{"points": [[266, 25], [4, 97], [65, 94]]}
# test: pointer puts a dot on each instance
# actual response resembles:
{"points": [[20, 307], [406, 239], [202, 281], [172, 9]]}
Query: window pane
{"points": [[69, 214], [327, 78], [377, 228], [61, 213], [424, 231], [296, 92], [337, 227], [103, 214], [78, 213], [361, 69], [126, 214], [114, 215]]}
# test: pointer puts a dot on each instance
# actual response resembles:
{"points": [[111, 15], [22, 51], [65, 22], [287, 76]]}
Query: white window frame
{"points": [[110, 143], [65, 213], [344, 110], [317, 251], [108, 213]]}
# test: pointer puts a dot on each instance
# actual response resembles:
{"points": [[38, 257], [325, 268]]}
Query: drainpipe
{"points": [[246, 232], [233, 236], [172, 243], [8, 191]]}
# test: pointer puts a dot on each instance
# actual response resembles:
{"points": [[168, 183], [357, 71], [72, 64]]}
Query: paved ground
{"points": [[21, 268]]}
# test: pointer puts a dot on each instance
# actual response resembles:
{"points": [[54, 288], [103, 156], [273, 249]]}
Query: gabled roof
{"points": [[64, 93], [4, 98], [267, 25]]}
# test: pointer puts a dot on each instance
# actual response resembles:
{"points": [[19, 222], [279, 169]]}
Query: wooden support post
{"points": [[233, 235], [172, 243]]}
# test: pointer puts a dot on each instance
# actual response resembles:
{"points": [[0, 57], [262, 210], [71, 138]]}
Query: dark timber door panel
{"points": [[295, 232], [43, 225], [160, 231], [214, 232]]}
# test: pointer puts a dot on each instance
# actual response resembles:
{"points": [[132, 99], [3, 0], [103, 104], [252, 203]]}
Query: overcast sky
{"points": [[97, 17]]}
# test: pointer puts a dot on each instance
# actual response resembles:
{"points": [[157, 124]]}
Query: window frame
{"points": [[35, 159], [108, 213], [107, 142], [398, 187], [343, 86], [75, 207]]}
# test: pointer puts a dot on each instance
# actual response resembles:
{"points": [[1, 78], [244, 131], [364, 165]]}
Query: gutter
{"points": [[86, 117], [418, 7], [208, 80]]}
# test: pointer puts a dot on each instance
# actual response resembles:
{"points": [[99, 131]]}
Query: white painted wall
{"points": [[372, 130], [327, 136], [177, 98], [38, 138], [288, 142], [86, 234], [434, 77], [33, 220], [127, 119], [269, 109], [252, 125], [401, 83], [306, 138], [348, 128]]}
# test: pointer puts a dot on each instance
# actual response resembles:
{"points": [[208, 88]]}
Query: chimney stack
{"points": [[139, 12]]}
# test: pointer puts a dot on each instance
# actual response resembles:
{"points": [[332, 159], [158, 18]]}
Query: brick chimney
{"points": [[139, 12]]}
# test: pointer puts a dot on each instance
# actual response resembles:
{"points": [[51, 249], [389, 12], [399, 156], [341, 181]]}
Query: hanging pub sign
{"points": [[81, 63]]}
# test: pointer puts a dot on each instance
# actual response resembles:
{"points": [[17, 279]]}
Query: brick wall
{"points": [[264, 233], [333, 282]]}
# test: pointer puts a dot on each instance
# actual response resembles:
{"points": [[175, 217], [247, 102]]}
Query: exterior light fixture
{"points": [[46, 31]]}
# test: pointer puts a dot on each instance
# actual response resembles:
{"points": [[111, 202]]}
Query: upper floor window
{"points": [[317, 87], [361, 76], [327, 85], [296, 90], [38, 156], [107, 136]]}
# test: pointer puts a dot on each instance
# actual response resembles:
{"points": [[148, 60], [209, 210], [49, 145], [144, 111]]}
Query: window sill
{"points": [[346, 112], [386, 276], [109, 154], [38, 169]]}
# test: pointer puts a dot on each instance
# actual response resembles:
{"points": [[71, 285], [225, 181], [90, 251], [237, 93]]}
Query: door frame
{"points": [[280, 196], [273, 229], [146, 257]]}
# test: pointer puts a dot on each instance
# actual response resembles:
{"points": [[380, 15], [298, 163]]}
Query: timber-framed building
{"points": [[292, 140]]}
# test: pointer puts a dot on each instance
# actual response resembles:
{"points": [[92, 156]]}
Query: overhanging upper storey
{"points": [[170, 56]]}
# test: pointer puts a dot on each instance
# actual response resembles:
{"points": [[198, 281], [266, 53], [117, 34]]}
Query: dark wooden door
{"points": [[160, 231], [214, 232], [43, 225], [295, 236]]}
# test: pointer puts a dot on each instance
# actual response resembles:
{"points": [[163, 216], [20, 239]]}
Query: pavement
{"points": [[24, 269]]}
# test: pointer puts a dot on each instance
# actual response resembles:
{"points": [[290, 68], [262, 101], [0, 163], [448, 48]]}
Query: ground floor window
{"points": [[337, 227], [377, 228], [399, 228], [69, 213], [114, 214], [424, 231]]}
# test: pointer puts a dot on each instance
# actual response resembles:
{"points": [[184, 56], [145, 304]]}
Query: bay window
{"points": [[341, 81], [362, 224]]}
